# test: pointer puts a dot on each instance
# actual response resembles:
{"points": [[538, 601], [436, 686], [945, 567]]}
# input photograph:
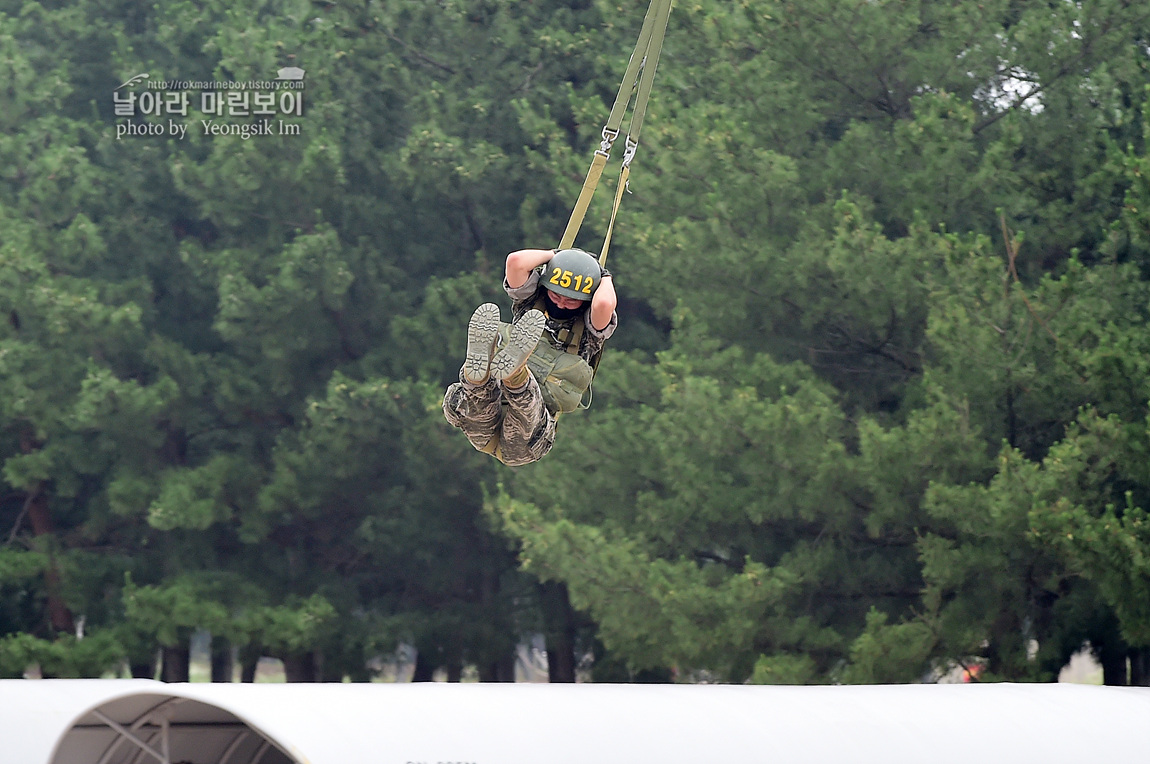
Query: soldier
{"points": [[517, 378]]}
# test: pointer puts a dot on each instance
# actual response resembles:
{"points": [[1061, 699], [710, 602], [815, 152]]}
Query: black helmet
{"points": [[572, 273]]}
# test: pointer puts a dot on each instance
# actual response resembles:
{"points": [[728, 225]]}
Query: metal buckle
{"points": [[609, 137], [629, 147]]}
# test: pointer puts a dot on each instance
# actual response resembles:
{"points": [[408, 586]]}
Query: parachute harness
{"points": [[637, 82]]}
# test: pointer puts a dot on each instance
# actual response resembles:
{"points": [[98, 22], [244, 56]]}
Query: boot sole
{"points": [[482, 330], [522, 340]]}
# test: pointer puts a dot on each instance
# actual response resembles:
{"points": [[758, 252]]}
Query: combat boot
{"points": [[482, 331], [510, 364]]}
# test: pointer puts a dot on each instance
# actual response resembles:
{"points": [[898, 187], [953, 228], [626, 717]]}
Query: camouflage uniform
{"points": [[518, 417]]}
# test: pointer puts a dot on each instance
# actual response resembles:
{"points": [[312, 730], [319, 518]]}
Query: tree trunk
{"points": [[559, 617], [249, 661], [1113, 666], [325, 671], [1140, 667], [176, 663], [40, 518], [300, 667], [424, 668], [143, 668], [502, 670], [223, 660]]}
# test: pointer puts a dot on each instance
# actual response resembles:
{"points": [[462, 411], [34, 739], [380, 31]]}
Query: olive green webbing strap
{"points": [[492, 448], [624, 174], [611, 129], [637, 82], [649, 65]]}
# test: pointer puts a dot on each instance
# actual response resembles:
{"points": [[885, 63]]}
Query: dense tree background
{"points": [[879, 405]]}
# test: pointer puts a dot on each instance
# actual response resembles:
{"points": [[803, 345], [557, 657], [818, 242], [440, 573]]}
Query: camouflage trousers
{"points": [[521, 425]]}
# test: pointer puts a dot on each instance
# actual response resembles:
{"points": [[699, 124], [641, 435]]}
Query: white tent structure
{"points": [[144, 722]]}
